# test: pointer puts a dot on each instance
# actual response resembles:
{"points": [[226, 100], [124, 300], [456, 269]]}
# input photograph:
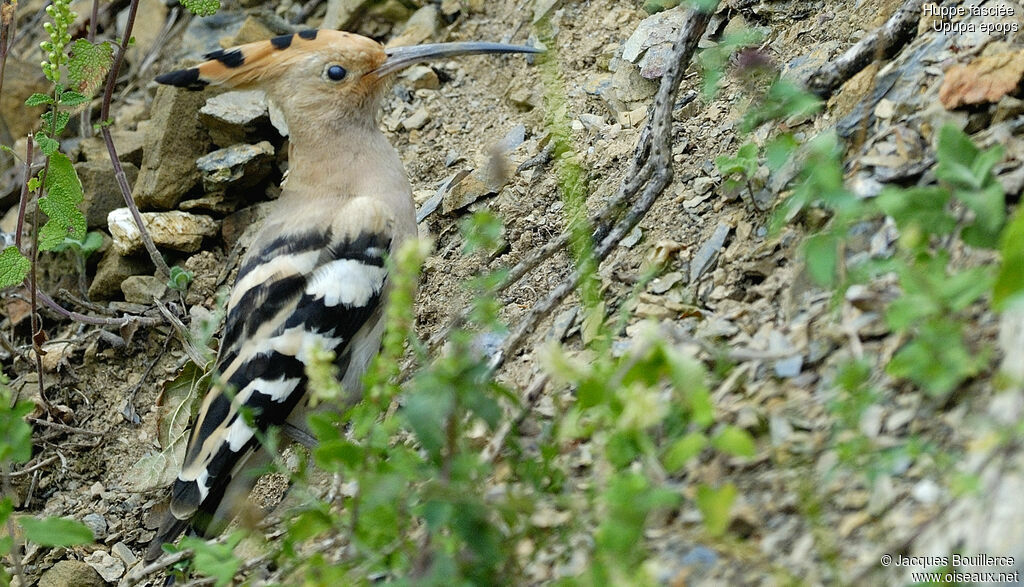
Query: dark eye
{"points": [[336, 73]]}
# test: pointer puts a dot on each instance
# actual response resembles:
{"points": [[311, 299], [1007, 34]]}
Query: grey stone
{"points": [[650, 45], [71, 572], [236, 117], [109, 567], [124, 553], [112, 270], [421, 77], [100, 188], [146, 31], [420, 27], [174, 141], [630, 86], [203, 34], [141, 289], [97, 524], [236, 166], [128, 143]]}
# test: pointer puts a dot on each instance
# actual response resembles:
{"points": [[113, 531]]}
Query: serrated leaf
{"points": [[13, 267], [88, 65], [55, 531], [38, 99], [47, 145], [202, 7], [63, 194], [73, 98], [58, 126]]}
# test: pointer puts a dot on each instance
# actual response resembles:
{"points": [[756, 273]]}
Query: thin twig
{"points": [[530, 398], [34, 467], [64, 427], [193, 352], [656, 169], [122, 181], [79, 317], [168, 560]]}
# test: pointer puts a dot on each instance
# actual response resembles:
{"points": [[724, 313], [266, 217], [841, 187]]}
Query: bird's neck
{"points": [[341, 161]]}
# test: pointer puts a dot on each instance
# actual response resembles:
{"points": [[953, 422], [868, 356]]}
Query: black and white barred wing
{"points": [[307, 288]]}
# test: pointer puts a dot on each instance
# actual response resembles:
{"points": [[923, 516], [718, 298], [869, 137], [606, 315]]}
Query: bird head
{"points": [[320, 76]]}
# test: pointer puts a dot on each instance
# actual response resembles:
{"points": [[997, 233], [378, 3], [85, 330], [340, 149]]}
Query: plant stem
{"points": [[85, 122], [23, 201], [7, 26], [36, 320], [122, 181]]}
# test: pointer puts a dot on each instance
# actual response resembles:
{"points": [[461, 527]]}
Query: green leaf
{"points": [[778, 151], [47, 145], [956, 154], [55, 531], [822, 254], [88, 66], [338, 455], [179, 279], [13, 267], [202, 7], [937, 360], [38, 99], [73, 98], [989, 207], [55, 127], [716, 506], [63, 194], [216, 561], [15, 433], [734, 441], [923, 208], [683, 450], [1010, 281], [427, 414]]}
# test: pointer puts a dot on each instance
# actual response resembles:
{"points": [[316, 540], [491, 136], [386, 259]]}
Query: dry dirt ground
{"points": [[799, 516]]}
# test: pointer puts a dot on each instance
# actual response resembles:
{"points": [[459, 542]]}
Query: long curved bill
{"points": [[401, 57]]}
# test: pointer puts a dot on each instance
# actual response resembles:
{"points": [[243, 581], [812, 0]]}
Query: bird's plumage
{"points": [[315, 277]]}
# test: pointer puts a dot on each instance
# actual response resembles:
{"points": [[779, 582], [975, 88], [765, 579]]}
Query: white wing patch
{"points": [[238, 434], [283, 266], [346, 281], [278, 389]]}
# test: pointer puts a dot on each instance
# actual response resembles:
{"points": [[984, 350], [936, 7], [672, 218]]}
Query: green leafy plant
{"points": [[86, 65], [180, 279], [202, 7], [16, 448]]}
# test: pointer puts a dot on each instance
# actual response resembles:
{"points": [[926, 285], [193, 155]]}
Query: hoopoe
{"points": [[315, 276]]}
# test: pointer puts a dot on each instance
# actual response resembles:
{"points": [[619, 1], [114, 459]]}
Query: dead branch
{"points": [[881, 43], [651, 171], [122, 180]]}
